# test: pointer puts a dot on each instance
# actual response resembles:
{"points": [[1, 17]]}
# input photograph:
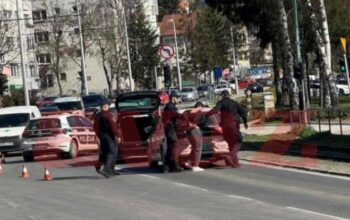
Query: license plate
{"points": [[7, 144], [220, 146], [40, 146]]}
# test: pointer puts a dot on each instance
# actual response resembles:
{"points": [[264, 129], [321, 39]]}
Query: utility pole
{"points": [[24, 77], [83, 65], [234, 61], [128, 52], [297, 41], [177, 56], [156, 77]]}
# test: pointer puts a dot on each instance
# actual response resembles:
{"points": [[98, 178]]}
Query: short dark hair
{"points": [[225, 93], [198, 104]]}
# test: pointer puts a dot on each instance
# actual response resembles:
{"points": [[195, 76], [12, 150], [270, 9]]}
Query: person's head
{"points": [[199, 105], [225, 94], [104, 105], [174, 98]]}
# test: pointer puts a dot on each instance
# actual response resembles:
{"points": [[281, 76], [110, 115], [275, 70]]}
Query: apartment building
{"points": [[52, 46]]}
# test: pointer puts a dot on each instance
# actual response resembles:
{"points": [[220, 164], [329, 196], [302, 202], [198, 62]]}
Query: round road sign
{"points": [[167, 51]]}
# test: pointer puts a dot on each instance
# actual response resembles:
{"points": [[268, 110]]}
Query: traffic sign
{"points": [[167, 51], [343, 43]]}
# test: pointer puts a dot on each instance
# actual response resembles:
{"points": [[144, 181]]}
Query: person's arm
{"points": [[215, 110], [243, 114]]}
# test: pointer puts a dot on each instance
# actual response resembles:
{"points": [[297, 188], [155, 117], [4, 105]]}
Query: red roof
{"points": [[184, 24]]}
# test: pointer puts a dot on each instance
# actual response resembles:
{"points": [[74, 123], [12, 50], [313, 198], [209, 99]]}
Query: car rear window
{"points": [[14, 120], [187, 90], [39, 124], [137, 103], [67, 106], [92, 101]]}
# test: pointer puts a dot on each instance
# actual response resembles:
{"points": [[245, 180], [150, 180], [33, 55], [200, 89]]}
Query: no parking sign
{"points": [[167, 51]]}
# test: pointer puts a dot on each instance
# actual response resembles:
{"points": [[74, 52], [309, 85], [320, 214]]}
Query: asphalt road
{"points": [[251, 192]]}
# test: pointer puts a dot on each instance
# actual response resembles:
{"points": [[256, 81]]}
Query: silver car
{"points": [[189, 94]]}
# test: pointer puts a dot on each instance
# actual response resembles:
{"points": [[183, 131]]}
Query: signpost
{"points": [[167, 51], [343, 43]]}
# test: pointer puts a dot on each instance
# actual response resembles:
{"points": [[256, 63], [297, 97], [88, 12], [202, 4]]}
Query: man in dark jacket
{"points": [[105, 129], [169, 120], [230, 111]]}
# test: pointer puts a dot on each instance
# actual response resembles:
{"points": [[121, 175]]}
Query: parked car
{"points": [[91, 103], [73, 105], [13, 121], [66, 135], [243, 84], [255, 88], [220, 88], [140, 127], [47, 99], [342, 87], [214, 146], [205, 91], [189, 94]]}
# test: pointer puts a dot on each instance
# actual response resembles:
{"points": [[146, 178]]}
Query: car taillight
{"points": [[26, 134]]}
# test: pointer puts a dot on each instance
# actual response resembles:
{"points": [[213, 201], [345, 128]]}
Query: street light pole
{"points": [[128, 52], [298, 49], [234, 61], [24, 77], [83, 65], [177, 56]]}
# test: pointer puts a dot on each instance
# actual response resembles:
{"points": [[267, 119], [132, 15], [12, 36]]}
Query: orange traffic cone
{"points": [[25, 173], [47, 176]]}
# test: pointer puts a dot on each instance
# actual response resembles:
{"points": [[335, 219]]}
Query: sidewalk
{"points": [[303, 163]]}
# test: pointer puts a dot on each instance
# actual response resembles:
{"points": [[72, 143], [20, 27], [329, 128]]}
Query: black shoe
{"points": [[175, 167], [107, 174], [98, 169], [115, 172]]}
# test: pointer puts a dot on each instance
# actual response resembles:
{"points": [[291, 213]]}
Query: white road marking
{"points": [[316, 213], [189, 186], [315, 173], [242, 197], [150, 177]]}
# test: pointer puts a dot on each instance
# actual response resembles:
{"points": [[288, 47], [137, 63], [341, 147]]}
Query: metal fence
{"points": [[333, 120]]}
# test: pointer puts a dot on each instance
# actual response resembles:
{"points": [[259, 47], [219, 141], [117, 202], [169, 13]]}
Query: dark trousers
{"points": [[196, 141], [231, 136], [108, 152]]}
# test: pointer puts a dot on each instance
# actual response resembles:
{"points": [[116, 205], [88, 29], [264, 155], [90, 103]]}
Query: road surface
{"points": [[251, 192]]}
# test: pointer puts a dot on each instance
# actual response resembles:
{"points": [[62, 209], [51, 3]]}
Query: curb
{"points": [[297, 167]]}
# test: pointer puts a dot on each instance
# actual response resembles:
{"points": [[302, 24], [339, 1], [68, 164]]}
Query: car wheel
{"points": [[73, 151], [28, 156], [154, 164], [341, 92]]}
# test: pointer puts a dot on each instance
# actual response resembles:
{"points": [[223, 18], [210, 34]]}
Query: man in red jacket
{"points": [[106, 131]]}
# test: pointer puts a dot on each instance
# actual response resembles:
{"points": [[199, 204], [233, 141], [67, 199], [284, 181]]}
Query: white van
{"points": [[13, 121]]}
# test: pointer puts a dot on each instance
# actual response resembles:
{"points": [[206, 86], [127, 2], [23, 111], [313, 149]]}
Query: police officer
{"points": [[230, 111], [169, 117], [105, 129]]}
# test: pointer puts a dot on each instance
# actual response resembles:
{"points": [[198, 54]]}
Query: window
{"points": [[63, 76], [76, 30], [14, 69], [57, 11], [30, 42], [10, 41], [7, 14], [28, 20], [44, 58], [2, 58], [39, 16], [32, 71], [50, 80], [42, 37], [88, 78], [78, 53]]}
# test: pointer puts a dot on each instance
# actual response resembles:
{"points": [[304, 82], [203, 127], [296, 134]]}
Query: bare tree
{"points": [[7, 36]]}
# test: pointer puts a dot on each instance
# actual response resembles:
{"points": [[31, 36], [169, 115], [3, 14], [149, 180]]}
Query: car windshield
{"points": [[68, 106], [50, 123], [92, 101], [187, 90], [137, 103], [49, 109], [14, 120], [221, 86]]}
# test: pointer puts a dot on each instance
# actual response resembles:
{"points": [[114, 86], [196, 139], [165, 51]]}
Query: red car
{"points": [[141, 131], [243, 84]]}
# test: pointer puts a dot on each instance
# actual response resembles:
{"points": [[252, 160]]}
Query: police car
{"points": [[66, 135]]}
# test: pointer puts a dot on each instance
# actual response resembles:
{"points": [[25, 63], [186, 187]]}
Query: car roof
{"points": [[58, 116], [18, 109], [67, 99]]}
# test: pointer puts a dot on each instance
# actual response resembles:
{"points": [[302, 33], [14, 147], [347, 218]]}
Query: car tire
{"points": [[341, 92], [73, 151], [28, 156], [154, 164]]}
